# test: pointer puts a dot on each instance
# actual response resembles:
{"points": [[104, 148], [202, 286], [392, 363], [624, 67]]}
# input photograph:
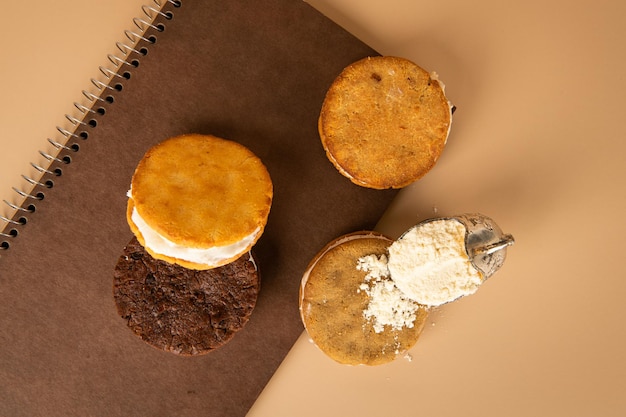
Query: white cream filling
{"points": [[434, 76], [206, 256]]}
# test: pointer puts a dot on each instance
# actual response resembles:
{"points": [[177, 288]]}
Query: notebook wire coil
{"points": [[132, 49]]}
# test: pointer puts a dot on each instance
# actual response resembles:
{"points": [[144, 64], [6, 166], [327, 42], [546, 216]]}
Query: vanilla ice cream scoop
{"points": [[440, 260]]}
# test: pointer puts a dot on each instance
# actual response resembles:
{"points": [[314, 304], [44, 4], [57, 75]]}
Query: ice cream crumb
{"points": [[387, 306], [376, 267]]}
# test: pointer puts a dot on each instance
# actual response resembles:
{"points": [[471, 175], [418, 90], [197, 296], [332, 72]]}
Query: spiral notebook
{"points": [[253, 72]]}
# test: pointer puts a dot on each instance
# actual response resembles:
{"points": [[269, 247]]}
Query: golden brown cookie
{"points": [[199, 201], [333, 301], [384, 122]]}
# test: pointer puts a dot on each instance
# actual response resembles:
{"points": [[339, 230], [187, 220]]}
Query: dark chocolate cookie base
{"points": [[179, 310]]}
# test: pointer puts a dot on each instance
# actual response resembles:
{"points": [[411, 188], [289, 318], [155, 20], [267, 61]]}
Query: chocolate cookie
{"points": [[184, 311]]}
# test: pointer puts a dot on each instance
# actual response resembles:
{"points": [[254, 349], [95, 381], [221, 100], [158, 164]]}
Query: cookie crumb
{"points": [[387, 304]]}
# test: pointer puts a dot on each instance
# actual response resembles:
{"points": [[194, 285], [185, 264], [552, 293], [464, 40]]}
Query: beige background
{"points": [[537, 143], [49, 51]]}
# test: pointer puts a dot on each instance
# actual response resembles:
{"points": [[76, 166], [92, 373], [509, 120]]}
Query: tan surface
{"points": [[50, 50], [537, 143]]}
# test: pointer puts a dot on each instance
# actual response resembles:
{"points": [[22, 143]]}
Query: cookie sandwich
{"points": [[384, 122], [187, 282], [199, 201], [351, 311]]}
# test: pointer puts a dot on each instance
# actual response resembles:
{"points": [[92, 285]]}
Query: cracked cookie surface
{"points": [[384, 122], [179, 310]]}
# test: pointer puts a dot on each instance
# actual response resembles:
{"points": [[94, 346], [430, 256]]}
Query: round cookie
{"points": [[384, 122], [179, 310], [333, 302], [199, 201]]}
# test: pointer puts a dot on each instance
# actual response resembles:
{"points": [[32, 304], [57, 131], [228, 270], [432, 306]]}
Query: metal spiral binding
{"points": [[52, 162]]}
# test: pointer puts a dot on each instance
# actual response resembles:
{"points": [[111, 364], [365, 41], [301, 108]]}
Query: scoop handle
{"points": [[505, 240]]}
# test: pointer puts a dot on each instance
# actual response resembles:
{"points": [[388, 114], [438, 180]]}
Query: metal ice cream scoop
{"points": [[485, 243]]}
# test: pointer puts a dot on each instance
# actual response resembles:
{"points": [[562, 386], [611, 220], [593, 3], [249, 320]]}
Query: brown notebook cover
{"points": [[251, 71]]}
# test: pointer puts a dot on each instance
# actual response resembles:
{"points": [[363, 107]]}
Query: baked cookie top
{"points": [[384, 122], [201, 191], [333, 302], [179, 310]]}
